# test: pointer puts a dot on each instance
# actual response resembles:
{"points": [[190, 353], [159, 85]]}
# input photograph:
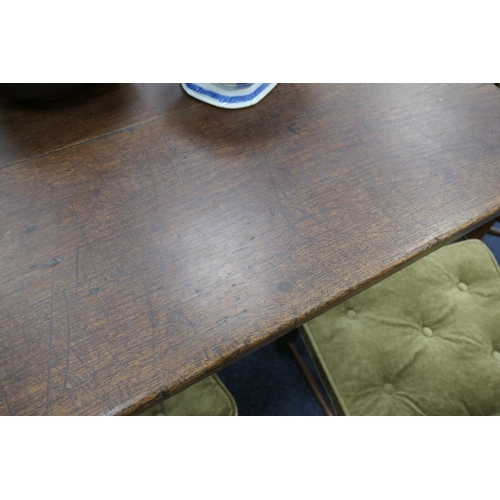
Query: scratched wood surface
{"points": [[143, 250], [30, 129]]}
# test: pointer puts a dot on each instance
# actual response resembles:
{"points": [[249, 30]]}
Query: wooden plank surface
{"points": [[32, 128], [135, 263]]}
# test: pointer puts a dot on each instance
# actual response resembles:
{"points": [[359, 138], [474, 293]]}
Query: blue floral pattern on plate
{"points": [[226, 98]]}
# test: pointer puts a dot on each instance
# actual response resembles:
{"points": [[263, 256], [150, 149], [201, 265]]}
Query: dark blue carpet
{"points": [[493, 243], [268, 382]]}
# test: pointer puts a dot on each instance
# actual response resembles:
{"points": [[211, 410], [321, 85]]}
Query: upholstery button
{"points": [[462, 287], [389, 389], [496, 355], [351, 314], [427, 331]]}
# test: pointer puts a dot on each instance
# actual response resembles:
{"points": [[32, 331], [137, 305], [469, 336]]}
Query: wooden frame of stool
{"points": [[289, 342]]}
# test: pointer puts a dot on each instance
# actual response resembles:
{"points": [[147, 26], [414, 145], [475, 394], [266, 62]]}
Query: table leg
{"points": [[481, 231], [289, 341]]}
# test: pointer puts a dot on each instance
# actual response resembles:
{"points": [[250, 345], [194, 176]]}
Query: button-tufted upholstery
{"points": [[425, 341], [209, 397]]}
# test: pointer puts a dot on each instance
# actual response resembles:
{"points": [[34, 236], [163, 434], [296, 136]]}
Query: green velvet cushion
{"points": [[425, 341], [209, 397]]}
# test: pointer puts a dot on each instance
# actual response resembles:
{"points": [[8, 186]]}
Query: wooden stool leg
{"points": [[479, 232], [289, 341]]}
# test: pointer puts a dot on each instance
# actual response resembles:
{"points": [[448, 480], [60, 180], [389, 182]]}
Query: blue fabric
{"points": [[269, 382], [493, 243]]}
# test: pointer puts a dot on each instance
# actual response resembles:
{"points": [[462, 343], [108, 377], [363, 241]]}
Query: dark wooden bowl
{"points": [[37, 91]]}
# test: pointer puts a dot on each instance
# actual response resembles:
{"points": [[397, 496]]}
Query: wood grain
{"points": [[135, 263], [35, 128]]}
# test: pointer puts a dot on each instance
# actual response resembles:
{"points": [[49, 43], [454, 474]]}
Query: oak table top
{"points": [[148, 239]]}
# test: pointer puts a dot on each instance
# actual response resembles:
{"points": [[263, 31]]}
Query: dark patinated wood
{"points": [[289, 342], [135, 263], [30, 129], [481, 231]]}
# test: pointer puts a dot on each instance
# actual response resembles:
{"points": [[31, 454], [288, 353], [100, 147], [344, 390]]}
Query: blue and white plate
{"points": [[229, 95]]}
